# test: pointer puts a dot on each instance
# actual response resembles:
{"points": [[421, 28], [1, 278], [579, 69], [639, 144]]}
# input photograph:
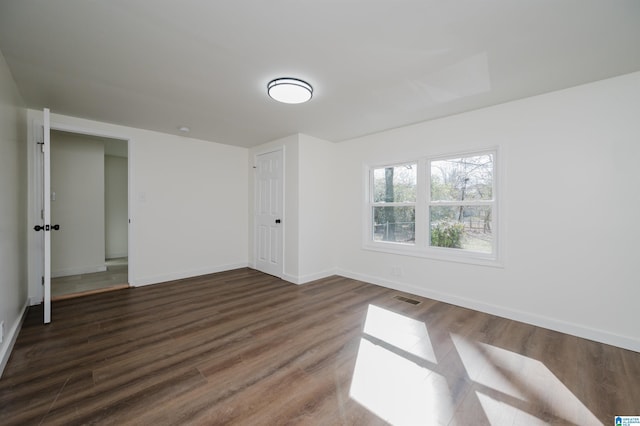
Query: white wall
{"points": [[188, 203], [115, 206], [77, 180], [570, 162], [13, 202], [309, 211], [317, 210]]}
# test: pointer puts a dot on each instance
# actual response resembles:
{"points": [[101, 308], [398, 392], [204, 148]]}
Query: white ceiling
{"points": [[374, 65]]}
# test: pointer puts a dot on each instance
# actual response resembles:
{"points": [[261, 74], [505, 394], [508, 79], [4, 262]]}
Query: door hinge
{"points": [[42, 214], [42, 280]]}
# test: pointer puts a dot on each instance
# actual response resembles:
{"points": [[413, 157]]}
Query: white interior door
{"points": [[269, 208], [46, 214]]}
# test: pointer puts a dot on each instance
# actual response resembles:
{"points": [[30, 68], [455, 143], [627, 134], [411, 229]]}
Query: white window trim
{"points": [[421, 248]]}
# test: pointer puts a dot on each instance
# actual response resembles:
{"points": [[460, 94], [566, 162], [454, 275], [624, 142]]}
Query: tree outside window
{"points": [[461, 203], [394, 200]]}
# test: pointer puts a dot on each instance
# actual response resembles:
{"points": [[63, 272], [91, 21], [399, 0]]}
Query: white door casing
{"points": [[46, 214], [41, 216], [269, 208]]}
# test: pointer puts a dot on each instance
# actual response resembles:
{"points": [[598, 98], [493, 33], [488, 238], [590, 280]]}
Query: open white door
{"points": [[46, 215], [269, 208]]}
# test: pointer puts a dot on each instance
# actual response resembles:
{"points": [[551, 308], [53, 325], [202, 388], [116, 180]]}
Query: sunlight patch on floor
{"points": [[486, 373], [500, 413], [520, 377], [389, 381], [400, 331], [396, 377], [398, 390]]}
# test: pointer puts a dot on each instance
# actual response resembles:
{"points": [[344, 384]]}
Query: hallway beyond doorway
{"points": [[114, 278]]}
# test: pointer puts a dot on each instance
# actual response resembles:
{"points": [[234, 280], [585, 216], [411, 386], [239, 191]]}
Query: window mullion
{"points": [[403, 204], [462, 203], [422, 209]]}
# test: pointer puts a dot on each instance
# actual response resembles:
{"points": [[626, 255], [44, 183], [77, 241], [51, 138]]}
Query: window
{"points": [[461, 203], [453, 198], [394, 198]]}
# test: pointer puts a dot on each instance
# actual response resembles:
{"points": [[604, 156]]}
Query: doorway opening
{"points": [[89, 201]]}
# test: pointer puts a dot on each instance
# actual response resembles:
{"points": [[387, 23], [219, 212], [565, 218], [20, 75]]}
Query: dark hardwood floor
{"points": [[242, 347]]}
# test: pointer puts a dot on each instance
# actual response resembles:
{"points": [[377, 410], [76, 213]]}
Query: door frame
{"points": [[281, 150], [35, 260]]}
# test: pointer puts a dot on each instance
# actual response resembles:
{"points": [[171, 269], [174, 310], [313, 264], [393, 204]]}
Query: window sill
{"points": [[441, 254]]}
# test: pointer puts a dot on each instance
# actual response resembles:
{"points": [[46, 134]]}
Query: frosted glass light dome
{"points": [[290, 90]]}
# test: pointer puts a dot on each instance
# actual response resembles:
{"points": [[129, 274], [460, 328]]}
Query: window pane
{"points": [[461, 227], [465, 178], [395, 184], [394, 224]]}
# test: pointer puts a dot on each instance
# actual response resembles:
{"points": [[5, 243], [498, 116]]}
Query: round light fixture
{"points": [[290, 90]]}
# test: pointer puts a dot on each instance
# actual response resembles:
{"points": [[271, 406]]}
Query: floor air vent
{"points": [[406, 299]]}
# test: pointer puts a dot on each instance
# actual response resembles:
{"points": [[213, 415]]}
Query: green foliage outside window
{"points": [[447, 234]]}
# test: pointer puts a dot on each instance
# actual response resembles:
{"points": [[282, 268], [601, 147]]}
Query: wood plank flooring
{"points": [[242, 347]]}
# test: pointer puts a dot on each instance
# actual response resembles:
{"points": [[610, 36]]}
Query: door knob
{"points": [[46, 228], [277, 220]]}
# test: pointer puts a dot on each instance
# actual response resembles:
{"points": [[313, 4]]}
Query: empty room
{"points": [[322, 213]]}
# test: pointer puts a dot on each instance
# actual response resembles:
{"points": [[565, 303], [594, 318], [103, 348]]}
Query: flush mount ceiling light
{"points": [[290, 90]]}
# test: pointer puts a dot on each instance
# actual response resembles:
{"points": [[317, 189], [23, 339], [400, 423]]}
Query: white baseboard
{"points": [[304, 279], [156, 279], [116, 255], [10, 338], [78, 271], [516, 315]]}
